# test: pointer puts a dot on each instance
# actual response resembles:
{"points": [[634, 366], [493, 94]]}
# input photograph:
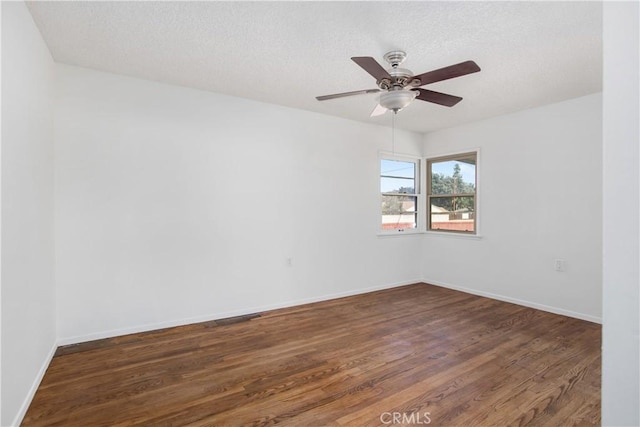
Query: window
{"points": [[399, 193], [451, 193]]}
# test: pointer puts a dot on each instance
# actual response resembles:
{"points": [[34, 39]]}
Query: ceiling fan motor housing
{"points": [[400, 77]]}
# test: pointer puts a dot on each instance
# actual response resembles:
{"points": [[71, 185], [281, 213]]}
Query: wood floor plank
{"points": [[464, 360]]}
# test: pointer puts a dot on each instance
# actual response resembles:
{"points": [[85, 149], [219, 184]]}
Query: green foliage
{"points": [[451, 184]]}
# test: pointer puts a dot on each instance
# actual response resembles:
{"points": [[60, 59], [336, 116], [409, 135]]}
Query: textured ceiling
{"points": [[531, 53]]}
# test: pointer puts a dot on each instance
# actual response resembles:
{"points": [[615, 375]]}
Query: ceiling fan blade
{"points": [[378, 111], [342, 95], [437, 97], [461, 69], [372, 67]]}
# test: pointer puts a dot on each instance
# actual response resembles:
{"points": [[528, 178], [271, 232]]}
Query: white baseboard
{"points": [[34, 387], [550, 309], [225, 314]]}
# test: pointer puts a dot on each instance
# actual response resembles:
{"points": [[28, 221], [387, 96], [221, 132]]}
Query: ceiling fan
{"points": [[399, 86]]}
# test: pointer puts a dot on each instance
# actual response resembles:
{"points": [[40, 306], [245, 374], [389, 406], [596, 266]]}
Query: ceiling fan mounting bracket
{"points": [[395, 57]]}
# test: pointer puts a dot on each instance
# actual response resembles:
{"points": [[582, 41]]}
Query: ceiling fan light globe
{"points": [[397, 99]]}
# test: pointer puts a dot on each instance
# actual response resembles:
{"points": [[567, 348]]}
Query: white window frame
{"points": [[427, 207], [419, 194]]}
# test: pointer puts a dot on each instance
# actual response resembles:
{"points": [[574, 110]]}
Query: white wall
{"points": [[175, 205], [621, 254], [539, 180], [28, 291]]}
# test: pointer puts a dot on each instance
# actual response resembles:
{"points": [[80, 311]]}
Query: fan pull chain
{"points": [[393, 132]]}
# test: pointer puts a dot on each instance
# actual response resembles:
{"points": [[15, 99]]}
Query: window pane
{"points": [[452, 213], [399, 212], [397, 168], [453, 176], [397, 185]]}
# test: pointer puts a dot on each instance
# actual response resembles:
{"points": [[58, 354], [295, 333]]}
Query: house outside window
{"points": [[451, 193], [399, 188]]}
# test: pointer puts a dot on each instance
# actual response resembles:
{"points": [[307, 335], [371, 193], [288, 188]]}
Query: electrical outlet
{"points": [[289, 262], [560, 264]]}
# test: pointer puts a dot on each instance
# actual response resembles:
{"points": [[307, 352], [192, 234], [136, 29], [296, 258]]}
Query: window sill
{"points": [[432, 233], [401, 233], [453, 235]]}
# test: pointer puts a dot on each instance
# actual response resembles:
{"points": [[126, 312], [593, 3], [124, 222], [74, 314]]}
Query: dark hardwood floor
{"points": [[413, 355]]}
